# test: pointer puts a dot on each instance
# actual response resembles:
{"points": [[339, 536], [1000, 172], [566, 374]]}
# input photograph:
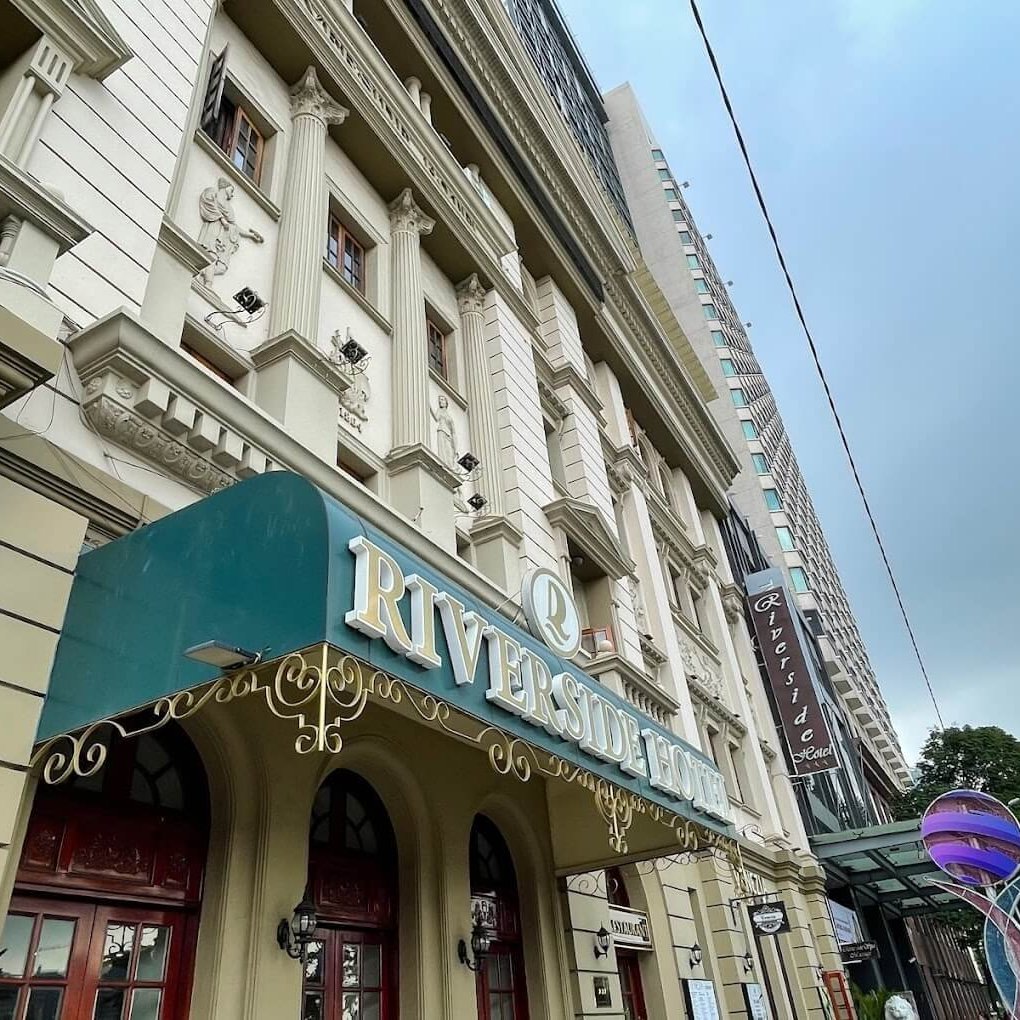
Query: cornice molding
{"points": [[81, 29], [23, 196], [585, 525], [174, 240]]}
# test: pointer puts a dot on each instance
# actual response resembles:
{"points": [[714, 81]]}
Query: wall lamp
{"points": [[294, 935], [470, 466], [603, 942], [481, 940], [748, 962], [223, 656], [477, 502], [348, 354], [248, 301], [696, 955]]}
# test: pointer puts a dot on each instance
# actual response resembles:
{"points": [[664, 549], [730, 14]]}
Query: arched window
{"points": [[500, 986], [352, 873], [105, 910]]}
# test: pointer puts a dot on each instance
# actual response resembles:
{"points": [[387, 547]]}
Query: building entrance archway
{"points": [[104, 918], [351, 970]]}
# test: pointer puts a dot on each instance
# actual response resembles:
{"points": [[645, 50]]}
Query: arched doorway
{"points": [[104, 918], [502, 994], [351, 972], [627, 960]]}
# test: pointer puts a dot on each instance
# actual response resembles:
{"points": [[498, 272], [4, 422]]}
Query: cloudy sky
{"points": [[886, 135]]}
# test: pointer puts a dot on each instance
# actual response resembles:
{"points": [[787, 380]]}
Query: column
{"points": [[297, 278], [295, 383], [410, 343], [496, 541], [421, 483]]}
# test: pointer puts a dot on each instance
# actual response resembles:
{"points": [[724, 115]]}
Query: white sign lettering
{"points": [[629, 927], [520, 682]]}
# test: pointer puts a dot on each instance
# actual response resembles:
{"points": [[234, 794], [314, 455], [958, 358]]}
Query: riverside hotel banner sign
{"points": [[804, 725]]}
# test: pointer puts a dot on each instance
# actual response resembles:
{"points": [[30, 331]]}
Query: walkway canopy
{"points": [[271, 565], [885, 865]]}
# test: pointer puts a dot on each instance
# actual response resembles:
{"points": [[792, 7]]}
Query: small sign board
{"points": [[769, 918], [629, 928], [756, 1002], [601, 991], [858, 952], [701, 1003], [844, 924]]}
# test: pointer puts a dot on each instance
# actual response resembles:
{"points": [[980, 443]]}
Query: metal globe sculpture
{"points": [[972, 837]]}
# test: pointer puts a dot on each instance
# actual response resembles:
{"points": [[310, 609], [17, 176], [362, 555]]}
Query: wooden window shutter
{"points": [[214, 90]]}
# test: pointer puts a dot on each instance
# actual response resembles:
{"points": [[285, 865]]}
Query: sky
{"points": [[886, 137]]}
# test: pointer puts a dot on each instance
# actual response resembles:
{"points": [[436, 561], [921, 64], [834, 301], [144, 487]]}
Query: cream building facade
{"points": [[275, 263]]}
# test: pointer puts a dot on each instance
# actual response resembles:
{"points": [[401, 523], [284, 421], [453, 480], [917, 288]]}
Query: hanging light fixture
{"points": [[294, 935], [481, 940]]}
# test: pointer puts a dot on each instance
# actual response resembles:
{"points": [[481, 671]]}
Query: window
{"points": [[799, 579], [345, 254], [678, 216], [685, 235], [437, 349], [555, 452], [693, 262], [701, 286], [670, 194], [750, 429], [728, 368], [698, 607], [719, 338], [666, 483], [658, 156], [738, 398], [664, 175], [761, 465], [709, 312], [772, 500], [227, 121]]}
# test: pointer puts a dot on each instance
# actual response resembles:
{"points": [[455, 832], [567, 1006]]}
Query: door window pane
{"points": [[8, 1003], [120, 940], [372, 967], [54, 949], [370, 1006], [14, 946], [44, 1004], [351, 963], [314, 963], [152, 952], [313, 1006], [109, 1004], [351, 1006], [145, 1004]]}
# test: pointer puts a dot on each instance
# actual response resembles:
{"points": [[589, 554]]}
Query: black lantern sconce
{"points": [[481, 940], [477, 502], [348, 355], [603, 942], [696, 955], [748, 962], [294, 935], [469, 465]]}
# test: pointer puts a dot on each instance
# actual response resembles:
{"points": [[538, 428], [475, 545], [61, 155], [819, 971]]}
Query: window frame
{"points": [[779, 499], [798, 571], [756, 435], [738, 396], [337, 231], [710, 312], [761, 464], [434, 330]]}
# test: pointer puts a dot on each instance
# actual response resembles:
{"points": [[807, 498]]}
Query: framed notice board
{"points": [[700, 998], [756, 1002]]}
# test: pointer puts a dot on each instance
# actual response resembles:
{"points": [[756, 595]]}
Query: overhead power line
{"points": [[814, 354]]}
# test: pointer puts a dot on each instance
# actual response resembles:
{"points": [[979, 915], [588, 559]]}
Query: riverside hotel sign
{"points": [[804, 725], [520, 682]]}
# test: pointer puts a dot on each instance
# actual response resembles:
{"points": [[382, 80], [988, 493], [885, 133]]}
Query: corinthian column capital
{"points": [[308, 98], [406, 216], [471, 295]]}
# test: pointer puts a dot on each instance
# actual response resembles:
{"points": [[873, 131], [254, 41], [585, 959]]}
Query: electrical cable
{"points": [[815, 356]]}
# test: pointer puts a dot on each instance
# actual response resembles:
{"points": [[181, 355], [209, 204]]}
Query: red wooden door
{"points": [[630, 985], [350, 975], [62, 960]]}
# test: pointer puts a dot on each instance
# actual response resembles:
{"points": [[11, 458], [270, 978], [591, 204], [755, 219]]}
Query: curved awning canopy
{"points": [[271, 565]]}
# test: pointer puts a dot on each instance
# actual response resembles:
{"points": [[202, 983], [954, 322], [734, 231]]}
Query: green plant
{"points": [[870, 1005]]}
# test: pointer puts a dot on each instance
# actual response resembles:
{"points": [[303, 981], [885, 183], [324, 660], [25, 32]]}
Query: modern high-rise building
{"points": [[770, 489]]}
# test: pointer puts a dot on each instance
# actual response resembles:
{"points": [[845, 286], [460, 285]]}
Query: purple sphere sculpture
{"points": [[972, 837]]}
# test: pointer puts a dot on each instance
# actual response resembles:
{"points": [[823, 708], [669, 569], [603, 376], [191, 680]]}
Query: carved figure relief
{"points": [[446, 433], [220, 235], [640, 614]]}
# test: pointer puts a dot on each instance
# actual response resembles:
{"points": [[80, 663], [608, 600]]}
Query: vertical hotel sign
{"points": [[800, 713]]}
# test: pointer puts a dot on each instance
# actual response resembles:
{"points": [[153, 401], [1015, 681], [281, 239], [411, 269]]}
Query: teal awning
{"points": [[265, 565]]}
